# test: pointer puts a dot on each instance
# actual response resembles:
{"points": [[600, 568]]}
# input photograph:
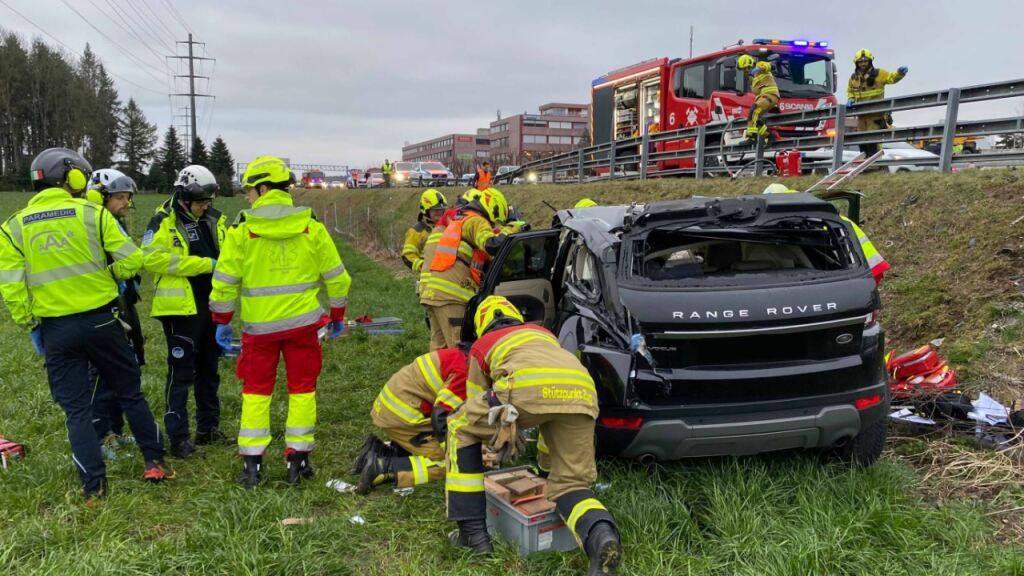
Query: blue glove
{"points": [[851, 102], [37, 340], [122, 286], [335, 329], [224, 335], [903, 70], [213, 263]]}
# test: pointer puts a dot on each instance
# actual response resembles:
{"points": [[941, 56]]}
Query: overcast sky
{"points": [[350, 82]]}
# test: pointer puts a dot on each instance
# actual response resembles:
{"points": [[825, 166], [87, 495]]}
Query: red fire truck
{"points": [[668, 94], [313, 179]]}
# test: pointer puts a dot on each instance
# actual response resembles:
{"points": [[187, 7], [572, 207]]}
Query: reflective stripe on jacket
{"points": [[876, 262], [525, 366], [412, 249], [276, 258], [409, 396], [457, 260], [870, 86], [166, 248], [53, 257], [762, 83]]}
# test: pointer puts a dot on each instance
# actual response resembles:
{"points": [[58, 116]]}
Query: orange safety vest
{"points": [[483, 179], [447, 251]]}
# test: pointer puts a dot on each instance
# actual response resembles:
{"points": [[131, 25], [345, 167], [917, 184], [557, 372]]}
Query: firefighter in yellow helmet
{"points": [[868, 83], [876, 262], [456, 263], [766, 94], [411, 409], [519, 376], [277, 259], [432, 207], [61, 261]]}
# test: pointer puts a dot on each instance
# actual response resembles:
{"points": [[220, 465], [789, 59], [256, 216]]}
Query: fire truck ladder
{"points": [[845, 172]]}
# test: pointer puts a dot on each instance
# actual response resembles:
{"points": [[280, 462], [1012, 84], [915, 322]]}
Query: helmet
{"points": [[494, 204], [107, 181], [745, 62], [60, 166], [585, 203], [862, 54], [493, 308], [778, 188], [431, 199], [196, 182], [472, 194], [267, 170]]}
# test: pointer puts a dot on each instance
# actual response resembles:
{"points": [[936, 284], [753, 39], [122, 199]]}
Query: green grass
{"points": [[782, 514]]}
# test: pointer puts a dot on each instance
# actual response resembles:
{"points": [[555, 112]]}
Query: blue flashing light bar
{"points": [[795, 43]]}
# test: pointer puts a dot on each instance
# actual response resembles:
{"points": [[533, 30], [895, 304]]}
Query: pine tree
{"points": [[138, 137], [171, 158], [223, 166], [199, 154], [100, 116]]}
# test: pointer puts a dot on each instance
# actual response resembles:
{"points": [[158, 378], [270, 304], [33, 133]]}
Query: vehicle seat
{"points": [[721, 256]]}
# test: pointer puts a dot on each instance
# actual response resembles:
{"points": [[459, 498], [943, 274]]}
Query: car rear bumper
{"points": [[823, 424]]}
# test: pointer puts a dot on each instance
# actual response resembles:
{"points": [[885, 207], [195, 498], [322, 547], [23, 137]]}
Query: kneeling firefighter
{"points": [[456, 263], [766, 94], [519, 376], [411, 409]]}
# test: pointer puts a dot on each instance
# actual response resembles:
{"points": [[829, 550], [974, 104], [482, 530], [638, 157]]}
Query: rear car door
{"points": [[522, 272]]}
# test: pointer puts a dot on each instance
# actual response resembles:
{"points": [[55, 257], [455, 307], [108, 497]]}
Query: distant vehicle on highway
{"points": [[313, 179], [505, 170], [466, 179], [373, 179], [431, 174], [402, 173], [894, 152], [357, 177]]}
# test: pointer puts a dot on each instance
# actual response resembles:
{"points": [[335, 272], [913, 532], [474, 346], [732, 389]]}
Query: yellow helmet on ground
{"points": [[431, 199], [745, 62], [585, 203], [863, 53], [778, 188], [492, 308], [495, 206], [267, 170]]}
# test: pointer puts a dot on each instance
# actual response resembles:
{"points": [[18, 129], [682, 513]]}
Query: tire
{"points": [[864, 448]]}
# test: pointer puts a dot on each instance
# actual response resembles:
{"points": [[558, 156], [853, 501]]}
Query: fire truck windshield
{"points": [[802, 75]]}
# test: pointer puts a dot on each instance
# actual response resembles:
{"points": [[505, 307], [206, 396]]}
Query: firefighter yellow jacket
{"points": [[411, 393], [870, 86], [412, 249]]}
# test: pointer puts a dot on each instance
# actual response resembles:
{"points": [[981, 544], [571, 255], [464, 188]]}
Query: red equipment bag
{"points": [[10, 451], [787, 163], [938, 381], [924, 360]]}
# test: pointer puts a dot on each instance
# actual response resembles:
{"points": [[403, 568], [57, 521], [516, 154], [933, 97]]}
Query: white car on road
{"points": [[893, 152]]}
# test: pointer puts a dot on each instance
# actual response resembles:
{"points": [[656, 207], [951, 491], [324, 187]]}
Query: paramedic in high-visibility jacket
{"points": [[520, 377], [62, 259], [276, 259], [876, 262], [411, 410]]}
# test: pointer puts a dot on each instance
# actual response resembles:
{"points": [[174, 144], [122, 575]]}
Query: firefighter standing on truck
{"points": [[876, 262], [457, 262], [276, 257], [114, 191], [766, 94], [56, 280], [519, 376], [868, 83], [411, 410], [432, 206], [181, 245]]}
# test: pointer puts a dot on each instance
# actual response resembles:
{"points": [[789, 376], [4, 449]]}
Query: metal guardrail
{"points": [[708, 148]]}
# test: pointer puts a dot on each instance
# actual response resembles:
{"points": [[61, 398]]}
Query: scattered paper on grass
{"points": [[341, 486], [403, 492], [602, 486], [296, 521], [988, 411], [357, 520], [908, 415]]}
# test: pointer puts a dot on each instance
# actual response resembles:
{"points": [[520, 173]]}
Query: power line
{"points": [[75, 52], [111, 40], [131, 23], [131, 30], [177, 15], [150, 29], [159, 21]]}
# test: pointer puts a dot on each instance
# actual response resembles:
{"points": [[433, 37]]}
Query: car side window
{"points": [[529, 258], [584, 270]]}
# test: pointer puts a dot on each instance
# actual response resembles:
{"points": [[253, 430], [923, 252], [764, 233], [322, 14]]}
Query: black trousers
{"points": [[107, 416], [192, 355], [74, 342]]}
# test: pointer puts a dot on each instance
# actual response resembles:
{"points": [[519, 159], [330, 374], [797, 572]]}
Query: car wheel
{"points": [[864, 448]]}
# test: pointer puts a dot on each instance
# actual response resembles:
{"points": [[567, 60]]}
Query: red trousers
{"points": [[257, 364]]}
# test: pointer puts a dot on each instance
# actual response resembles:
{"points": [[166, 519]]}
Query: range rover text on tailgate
{"points": [[711, 326]]}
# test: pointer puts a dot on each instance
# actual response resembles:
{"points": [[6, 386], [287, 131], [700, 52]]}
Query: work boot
{"points": [[371, 442], [603, 549], [214, 436], [157, 471], [472, 535], [377, 470], [250, 475], [183, 449], [94, 497], [298, 467]]}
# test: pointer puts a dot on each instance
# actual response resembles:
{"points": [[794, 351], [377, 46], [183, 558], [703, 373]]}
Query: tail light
{"points": [[871, 319], [867, 402], [627, 423]]}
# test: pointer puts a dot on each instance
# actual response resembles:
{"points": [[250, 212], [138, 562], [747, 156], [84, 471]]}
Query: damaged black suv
{"points": [[711, 326]]}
